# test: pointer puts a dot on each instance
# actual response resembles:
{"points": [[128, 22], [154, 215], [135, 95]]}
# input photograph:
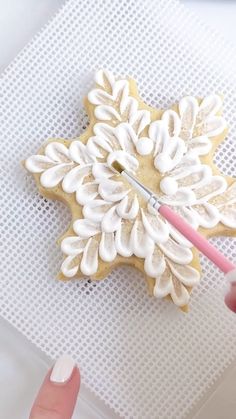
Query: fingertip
{"points": [[57, 399], [230, 298], [74, 382]]}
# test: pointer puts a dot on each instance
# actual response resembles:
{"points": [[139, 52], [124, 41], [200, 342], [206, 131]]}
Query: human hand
{"points": [[57, 396]]}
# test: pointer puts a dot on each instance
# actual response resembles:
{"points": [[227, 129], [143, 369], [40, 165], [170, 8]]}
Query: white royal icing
{"points": [[128, 208], [89, 262], [113, 221], [107, 247]]}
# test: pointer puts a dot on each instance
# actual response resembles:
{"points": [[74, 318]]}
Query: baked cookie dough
{"points": [[171, 152]]}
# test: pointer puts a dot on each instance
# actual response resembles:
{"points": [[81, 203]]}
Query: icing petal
{"points": [[195, 177], [210, 105], [106, 132], [104, 78], [217, 185], [112, 190], [200, 145], [140, 120], [156, 228], [188, 109], [98, 147], [127, 137], [125, 159], [120, 93], [70, 266], [226, 204], [228, 216], [86, 192], [179, 293], [188, 161], [172, 120], [79, 153], [86, 228], [163, 284], [89, 262], [107, 248], [57, 152], [207, 215], [128, 208], [111, 221], [158, 132], [184, 196], [141, 242], [106, 113], [154, 264], [73, 245], [53, 176], [96, 209], [101, 170], [176, 252], [213, 126], [74, 178], [131, 108], [228, 197], [185, 273], [99, 97], [38, 163], [188, 165], [122, 240], [166, 284]]}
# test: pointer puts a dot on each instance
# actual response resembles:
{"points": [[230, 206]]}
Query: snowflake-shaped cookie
{"points": [[171, 153]]}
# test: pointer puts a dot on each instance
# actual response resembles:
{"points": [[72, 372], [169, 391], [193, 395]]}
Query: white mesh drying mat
{"points": [[141, 356]]}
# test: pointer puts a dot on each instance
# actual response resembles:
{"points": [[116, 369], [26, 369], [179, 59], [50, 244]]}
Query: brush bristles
{"points": [[117, 167]]}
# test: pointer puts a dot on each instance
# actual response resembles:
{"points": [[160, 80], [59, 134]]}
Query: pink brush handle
{"points": [[196, 239]]}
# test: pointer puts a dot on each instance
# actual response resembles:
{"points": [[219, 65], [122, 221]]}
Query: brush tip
{"points": [[118, 168]]}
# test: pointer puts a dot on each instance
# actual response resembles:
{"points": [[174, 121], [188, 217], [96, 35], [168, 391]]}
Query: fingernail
{"points": [[62, 369]]}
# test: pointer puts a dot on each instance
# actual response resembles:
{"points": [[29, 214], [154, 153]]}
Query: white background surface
{"points": [[21, 370]]}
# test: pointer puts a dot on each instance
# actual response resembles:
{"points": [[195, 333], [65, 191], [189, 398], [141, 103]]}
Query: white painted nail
{"points": [[62, 369]]}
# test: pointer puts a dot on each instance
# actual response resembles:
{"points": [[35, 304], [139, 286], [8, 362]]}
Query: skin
{"points": [[56, 401]]}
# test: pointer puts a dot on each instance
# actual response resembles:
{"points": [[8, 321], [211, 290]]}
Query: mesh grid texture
{"points": [[141, 356]]}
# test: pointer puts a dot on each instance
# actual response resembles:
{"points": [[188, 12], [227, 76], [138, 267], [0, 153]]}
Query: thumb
{"points": [[57, 396]]}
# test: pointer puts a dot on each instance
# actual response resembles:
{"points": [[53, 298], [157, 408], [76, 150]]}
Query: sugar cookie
{"points": [[169, 151]]}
